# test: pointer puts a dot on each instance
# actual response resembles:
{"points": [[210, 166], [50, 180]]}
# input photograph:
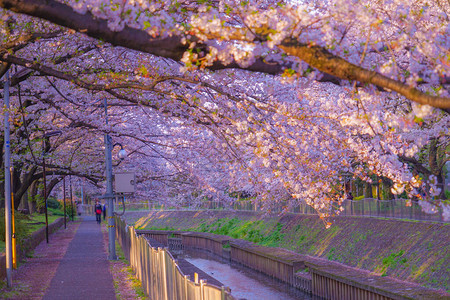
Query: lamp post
{"points": [[64, 201], [46, 136], [8, 236], [71, 197], [109, 195]]}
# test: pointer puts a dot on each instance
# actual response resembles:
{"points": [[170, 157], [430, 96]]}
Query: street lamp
{"points": [[44, 140], [7, 163], [122, 153], [64, 201]]}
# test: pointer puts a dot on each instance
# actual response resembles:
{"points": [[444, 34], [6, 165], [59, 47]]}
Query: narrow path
{"points": [[83, 273]]}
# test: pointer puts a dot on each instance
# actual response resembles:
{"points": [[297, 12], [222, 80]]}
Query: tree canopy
{"points": [[280, 99]]}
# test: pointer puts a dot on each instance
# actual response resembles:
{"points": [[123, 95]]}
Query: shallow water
{"points": [[243, 282]]}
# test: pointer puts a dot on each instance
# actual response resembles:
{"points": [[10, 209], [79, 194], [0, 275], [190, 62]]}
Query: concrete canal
{"points": [[243, 282]]}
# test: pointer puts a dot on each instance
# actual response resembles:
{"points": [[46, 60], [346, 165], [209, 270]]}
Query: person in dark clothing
{"points": [[349, 196], [98, 212], [104, 212]]}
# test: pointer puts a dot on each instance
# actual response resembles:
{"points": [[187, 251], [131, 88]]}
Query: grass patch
{"points": [[393, 261], [25, 225], [128, 270], [36, 222], [8, 293], [258, 232]]}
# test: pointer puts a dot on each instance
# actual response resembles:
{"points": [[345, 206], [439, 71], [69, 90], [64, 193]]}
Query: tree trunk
{"points": [[24, 203], [32, 196], [436, 161], [27, 180], [368, 190], [386, 193], [441, 185]]}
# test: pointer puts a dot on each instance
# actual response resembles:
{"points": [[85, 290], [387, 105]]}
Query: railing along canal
{"points": [[159, 273], [321, 278]]}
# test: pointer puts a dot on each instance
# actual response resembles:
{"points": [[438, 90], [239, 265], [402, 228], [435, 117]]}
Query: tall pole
{"points": [[64, 201], [71, 198], [13, 224], [109, 191], [8, 237], [45, 190], [82, 194]]}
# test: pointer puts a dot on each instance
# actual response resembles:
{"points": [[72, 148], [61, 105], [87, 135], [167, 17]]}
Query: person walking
{"points": [[104, 211], [349, 196], [98, 211]]}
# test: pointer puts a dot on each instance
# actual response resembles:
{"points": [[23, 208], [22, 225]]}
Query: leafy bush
{"points": [[53, 203], [70, 209], [20, 226], [40, 204]]}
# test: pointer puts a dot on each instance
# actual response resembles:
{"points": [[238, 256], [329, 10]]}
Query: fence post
{"points": [[392, 208], [378, 208], [164, 268], [222, 294], [202, 289], [401, 208], [362, 208], [411, 209], [186, 279]]}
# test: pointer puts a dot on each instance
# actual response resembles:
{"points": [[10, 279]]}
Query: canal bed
{"points": [[243, 282]]}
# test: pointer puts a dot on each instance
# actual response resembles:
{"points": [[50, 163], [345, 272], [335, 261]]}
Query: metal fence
{"points": [[368, 207], [396, 208], [159, 273]]}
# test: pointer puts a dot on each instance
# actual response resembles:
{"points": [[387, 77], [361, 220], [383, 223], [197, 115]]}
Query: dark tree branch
{"points": [[329, 63], [169, 47], [173, 48]]}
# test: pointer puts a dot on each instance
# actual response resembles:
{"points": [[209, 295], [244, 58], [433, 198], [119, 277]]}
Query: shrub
{"points": [[70, 208], [53, 203], [21, 226]]}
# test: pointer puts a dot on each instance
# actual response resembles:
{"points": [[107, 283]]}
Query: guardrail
{"points": [[159, 273]]}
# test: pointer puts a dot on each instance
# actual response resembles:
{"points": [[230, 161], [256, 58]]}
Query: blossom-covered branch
{"points": [[175, 45]]}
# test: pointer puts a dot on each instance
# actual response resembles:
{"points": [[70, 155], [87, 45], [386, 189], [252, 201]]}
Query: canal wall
{"points": [[320, 278], [412, 251]]}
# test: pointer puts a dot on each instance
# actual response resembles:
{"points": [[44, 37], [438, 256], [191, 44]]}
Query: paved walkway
{"points": [[83, 273]]}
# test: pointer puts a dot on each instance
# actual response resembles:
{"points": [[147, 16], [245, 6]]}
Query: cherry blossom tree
{"points": [[278, 98]]}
